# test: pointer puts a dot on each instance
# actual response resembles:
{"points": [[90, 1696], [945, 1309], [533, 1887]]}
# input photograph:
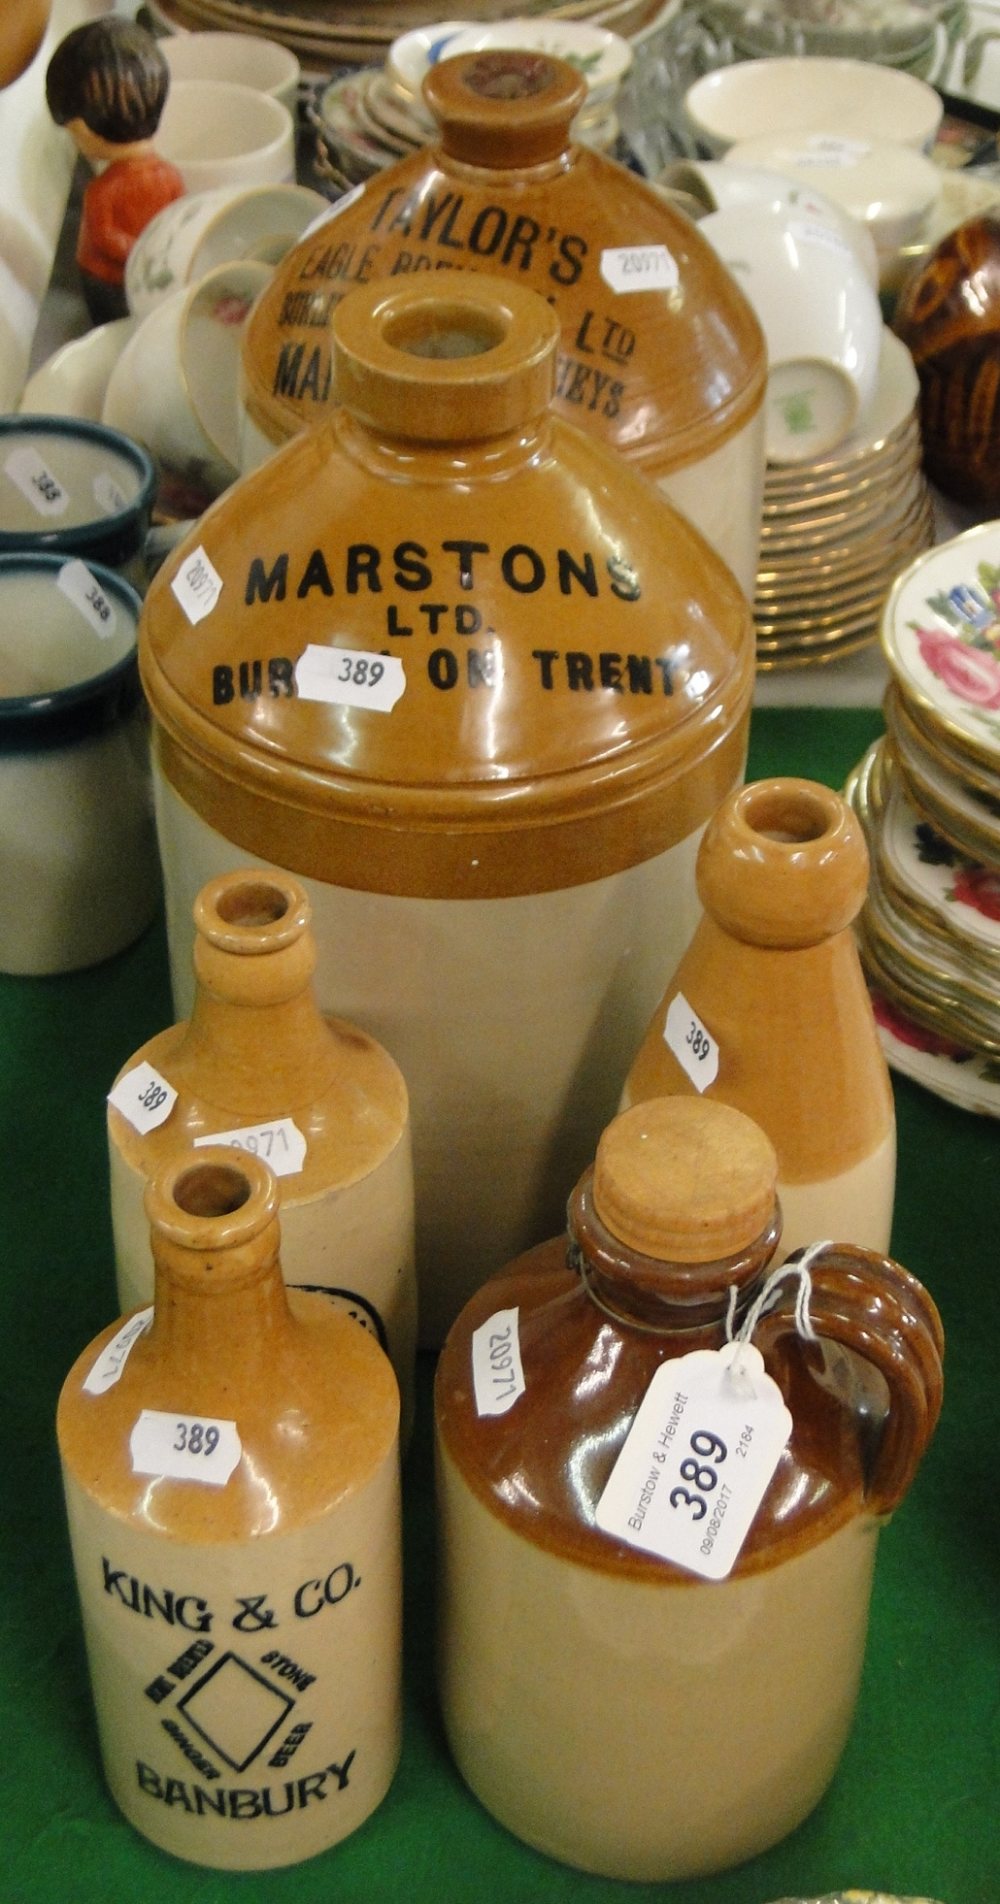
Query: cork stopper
{"points": [[459, 362], [686, 1180], [504, 107]]}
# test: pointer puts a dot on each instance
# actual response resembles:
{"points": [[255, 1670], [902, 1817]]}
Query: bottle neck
{"points": [[221, 1311], [693, 1300], [233, 1043]]}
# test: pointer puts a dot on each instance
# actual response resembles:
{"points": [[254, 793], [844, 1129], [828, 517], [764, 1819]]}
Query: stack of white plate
{"points": [[836, 532], [928, 795]]}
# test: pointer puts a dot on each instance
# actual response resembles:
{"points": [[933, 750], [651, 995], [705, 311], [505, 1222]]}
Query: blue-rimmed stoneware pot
{"points": [[78, 487]]}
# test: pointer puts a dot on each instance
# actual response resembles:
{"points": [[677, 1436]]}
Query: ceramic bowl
{"points": [[948, 316], [244, 59], [205, 229], [821, 318], [174, 387], [78, 862], [774, 97], [218, 133], [716, 185], [72, 382], [890, 189], [72, 485]]}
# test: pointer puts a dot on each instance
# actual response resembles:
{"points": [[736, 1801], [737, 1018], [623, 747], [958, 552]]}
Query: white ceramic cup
{"points": [[719, 185], [890, 189], [78, 861], [244, 59], [853, 99], [821, 319], [194, 234], [174, 387], [217, 133]]}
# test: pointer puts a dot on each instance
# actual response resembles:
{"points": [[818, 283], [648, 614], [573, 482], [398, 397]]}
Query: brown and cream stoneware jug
{"points": [[258, 1066], [660, 354], [231, 1471], [768, 1009], [661, 1482], [470, 678]]}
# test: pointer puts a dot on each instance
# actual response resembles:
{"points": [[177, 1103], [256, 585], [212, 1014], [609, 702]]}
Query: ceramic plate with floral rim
{"points": [[941, 636], [968, 1078], [963, 894]]}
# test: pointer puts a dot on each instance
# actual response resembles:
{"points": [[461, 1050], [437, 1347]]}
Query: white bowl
{"points": [[716, 185], [891, 189], [821, 319], [74, 380], [243, 59], [852, 98], [219, 134]]}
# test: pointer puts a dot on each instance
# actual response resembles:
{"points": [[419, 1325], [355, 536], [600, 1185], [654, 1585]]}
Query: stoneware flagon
{"points": [[230, 1461], [948, 316], [258, 1066], [768, 1009], [660, 354], [479, 686], [642, 1715]]}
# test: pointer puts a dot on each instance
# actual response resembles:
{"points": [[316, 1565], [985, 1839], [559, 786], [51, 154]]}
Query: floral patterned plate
{"points": [[941, 637], [960, 893], [968, 1078]]}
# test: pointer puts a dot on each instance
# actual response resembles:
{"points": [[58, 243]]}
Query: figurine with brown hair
{"points": [[107, 83]]}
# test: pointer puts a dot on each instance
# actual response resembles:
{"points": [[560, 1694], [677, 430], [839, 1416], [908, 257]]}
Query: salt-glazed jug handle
{"points": [[873, 1306]]}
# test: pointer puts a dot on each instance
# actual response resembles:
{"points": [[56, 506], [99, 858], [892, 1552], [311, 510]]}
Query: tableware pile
{"points": [[837, 530], [330, 33], [916, 38], [928, 795]]}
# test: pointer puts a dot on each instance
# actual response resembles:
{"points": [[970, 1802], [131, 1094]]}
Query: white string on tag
{"points": [[765, 1300]]}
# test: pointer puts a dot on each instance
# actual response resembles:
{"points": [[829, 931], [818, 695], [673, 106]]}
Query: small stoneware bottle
{"points": [[642, 1716], [231, 1476], [258, 1066], [768, 1008]]}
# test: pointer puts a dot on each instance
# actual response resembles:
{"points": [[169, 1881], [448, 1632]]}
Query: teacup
{"points": [[79, 871], [193, 234], [821, 318], [76, 486], [217, 133], [245, 59], [718, 185], [174, 387]]}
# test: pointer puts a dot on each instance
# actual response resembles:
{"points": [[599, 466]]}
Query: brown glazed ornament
{"points": [[258, 1066], [473, 681], [948, 316], [660, 354], [773, 977], [232, 1485], [618, 1709]]}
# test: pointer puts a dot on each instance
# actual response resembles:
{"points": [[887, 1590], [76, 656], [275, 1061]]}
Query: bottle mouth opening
{"points": [[445, 329], [509, 75], [790, 818], [257, 903], [207, 1190]]}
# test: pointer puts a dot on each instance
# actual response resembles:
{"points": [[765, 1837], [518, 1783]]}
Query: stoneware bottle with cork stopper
{"points": [[660, 1490], [661, 356], [479, 687], [258, 1066], [768, 1009], [232, 1485]]}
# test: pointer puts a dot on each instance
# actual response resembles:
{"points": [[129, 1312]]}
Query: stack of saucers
{"points": [[836, 532], [928, 794]]}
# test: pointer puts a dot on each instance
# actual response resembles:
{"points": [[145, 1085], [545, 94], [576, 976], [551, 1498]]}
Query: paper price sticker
{"points": [[497, 1375], [639, 268], [185, 1447], [825, 149], [143, 1098], [197, 586], [36, 482], [347, 677], [107, 494], [280, 1143], [114, 1355], [698, 1460], [691, 1043], [814, 232], [75, 581]]}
